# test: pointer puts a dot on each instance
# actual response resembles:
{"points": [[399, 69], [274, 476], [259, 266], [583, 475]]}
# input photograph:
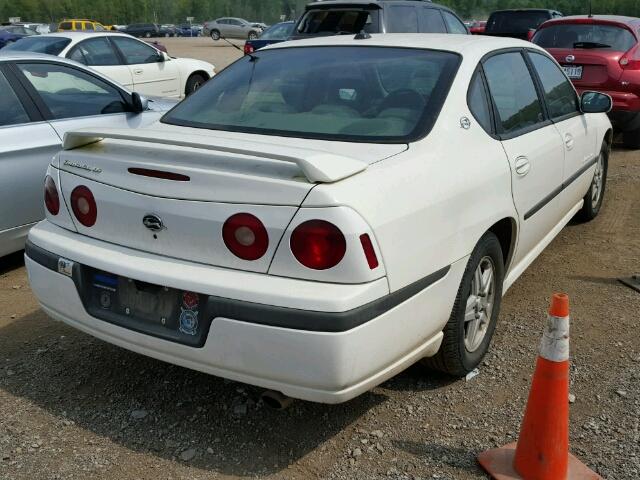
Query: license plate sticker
{"points": [[573, 71]]}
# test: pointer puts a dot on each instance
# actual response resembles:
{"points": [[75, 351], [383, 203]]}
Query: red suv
{"points": [[601, 53]]}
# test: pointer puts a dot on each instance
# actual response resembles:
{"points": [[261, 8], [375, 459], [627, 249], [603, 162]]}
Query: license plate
{"points": [[573, 71]]}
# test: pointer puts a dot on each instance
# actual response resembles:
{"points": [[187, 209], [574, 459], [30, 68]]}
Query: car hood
{"points": [[161, 104]]}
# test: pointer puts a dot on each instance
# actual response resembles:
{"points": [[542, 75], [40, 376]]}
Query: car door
{"points": [[99, 54], [71, 98], [237, 29], [27, 143], [563, 105], [152, 73], [533, 146]]}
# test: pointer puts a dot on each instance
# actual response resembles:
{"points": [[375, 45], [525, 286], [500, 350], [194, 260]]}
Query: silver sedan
{"points": [[42, 98]]}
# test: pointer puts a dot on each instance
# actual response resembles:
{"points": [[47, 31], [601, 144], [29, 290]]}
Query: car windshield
{"points": [[516, 21], [335, 22], [281, 31], [362, 94], [607, 37], [39, 44]]}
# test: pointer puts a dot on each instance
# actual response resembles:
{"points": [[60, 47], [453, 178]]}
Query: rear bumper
{"points": [[328, 365], [625, 121]]}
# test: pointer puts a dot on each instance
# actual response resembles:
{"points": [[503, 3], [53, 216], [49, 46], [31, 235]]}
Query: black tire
{"points": [[252, 35], [454, 357], [631, 139], [194, 82], [147, 35], [215, 35], [590, 209]]}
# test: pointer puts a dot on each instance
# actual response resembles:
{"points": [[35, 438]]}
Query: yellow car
{"points": [[81, 25]]}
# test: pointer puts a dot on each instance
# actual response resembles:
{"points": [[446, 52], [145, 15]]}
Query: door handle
{"points": [[522, 166], [568, 141], [138, 71]]}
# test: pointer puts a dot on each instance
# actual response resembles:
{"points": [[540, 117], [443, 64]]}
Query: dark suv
{"points": [[342, 17], [520, 23], [146, 30]]}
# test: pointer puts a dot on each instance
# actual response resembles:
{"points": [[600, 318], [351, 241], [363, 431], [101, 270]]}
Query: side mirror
{"points": [[595, 102], [139, 103], [161, 58]]}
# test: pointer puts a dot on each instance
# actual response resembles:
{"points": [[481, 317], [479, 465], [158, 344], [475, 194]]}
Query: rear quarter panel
{"points": [[429, 206]]}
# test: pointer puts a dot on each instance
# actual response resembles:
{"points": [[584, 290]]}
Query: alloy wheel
{"points": [[479, 306]]}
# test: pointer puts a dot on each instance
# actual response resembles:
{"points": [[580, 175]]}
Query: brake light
{"points": [[248, 48], [84, 206], [51, 198], [318, 244], [631, 59], [369, 251], [245, 236]]}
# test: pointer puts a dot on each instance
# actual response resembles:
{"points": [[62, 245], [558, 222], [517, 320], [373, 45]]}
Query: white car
{"points": [[43, 98], [133, 63], [316, 229]]}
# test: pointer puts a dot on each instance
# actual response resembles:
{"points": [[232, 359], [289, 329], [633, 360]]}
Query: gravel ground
{"points": [[220, 53], [72, 407]]}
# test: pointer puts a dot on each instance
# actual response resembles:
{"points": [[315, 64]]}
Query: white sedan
{"points": [[133, 63], [316, 229]]}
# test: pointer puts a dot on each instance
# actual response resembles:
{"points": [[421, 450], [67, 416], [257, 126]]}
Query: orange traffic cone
{"points": [[542, 451]]}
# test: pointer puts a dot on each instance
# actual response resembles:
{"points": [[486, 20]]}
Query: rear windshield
{"points": [[607, 37], [516, 22], [38, 44], [362, 94], [280, 31], [337, 22]]}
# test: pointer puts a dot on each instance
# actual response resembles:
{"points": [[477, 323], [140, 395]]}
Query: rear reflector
{"points": [[245, 236], [84, 206], [159, 174], [369, 252], [51, 198], [318, 244]]}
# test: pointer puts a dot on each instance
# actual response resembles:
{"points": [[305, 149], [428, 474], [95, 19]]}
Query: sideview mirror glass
{"points": [[595, 102], [139, 103]]}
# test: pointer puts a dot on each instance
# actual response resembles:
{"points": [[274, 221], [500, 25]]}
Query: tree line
{"points": [[268, 11]]}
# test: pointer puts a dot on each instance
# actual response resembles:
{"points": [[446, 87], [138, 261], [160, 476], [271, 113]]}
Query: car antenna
{"points": [[253, 57], [362, 35], [590, 8]]}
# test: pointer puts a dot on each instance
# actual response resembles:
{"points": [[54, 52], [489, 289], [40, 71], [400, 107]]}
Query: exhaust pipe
{"points": [[276, 400]]}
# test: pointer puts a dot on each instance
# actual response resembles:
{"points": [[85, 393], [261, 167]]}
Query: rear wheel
{"points": [[473, 320], [194, 82], [147, 35], [595, 195], [253, 35], [215, 35], [631, 139]]}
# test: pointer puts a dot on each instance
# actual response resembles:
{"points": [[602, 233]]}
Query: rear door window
{"points": [[606, 37], [68, 92], [94, 52], [560, 95], [402, 19], [514, 93], [11, 110], [479, 102], [431, 20]]}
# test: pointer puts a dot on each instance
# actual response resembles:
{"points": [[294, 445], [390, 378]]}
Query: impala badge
{"points": [[153, 222], [570, 58]]}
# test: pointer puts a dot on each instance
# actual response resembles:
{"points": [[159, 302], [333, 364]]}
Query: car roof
{"points": [[619, 19], [329, 3], [525, 10], [12, 56], [465, 45], [73, 35]]}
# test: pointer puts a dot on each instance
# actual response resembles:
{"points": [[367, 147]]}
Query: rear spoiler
{"points": [[317, 166]]}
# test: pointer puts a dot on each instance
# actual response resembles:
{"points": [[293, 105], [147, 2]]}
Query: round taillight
{"points": [[318, 244], [84, 206], [245, 236], [51, 198]]}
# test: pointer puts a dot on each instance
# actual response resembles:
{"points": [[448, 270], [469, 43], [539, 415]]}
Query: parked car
{"points": [[275, 34], [143, 30], [42, 99], [10, 34], [187, 30], [168, 31], [601, 53], [318, 228], [127, 60], [477, 27], [519, 23], [339, 17], [81, 25], [229, 27]]}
